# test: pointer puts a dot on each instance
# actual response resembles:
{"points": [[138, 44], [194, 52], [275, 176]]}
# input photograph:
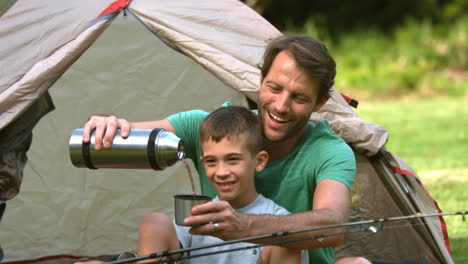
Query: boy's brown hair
{"points": [[233, 121]]}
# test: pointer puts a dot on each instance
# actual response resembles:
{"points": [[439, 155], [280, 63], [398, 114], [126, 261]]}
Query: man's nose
{"points": [[282, 103]]}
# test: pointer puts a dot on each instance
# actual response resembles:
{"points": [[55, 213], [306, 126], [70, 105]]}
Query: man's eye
{"points": [[275, 88], [301, 100]]}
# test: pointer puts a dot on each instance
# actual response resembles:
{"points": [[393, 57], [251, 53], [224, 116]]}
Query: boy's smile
{"points": [[230, 168]]}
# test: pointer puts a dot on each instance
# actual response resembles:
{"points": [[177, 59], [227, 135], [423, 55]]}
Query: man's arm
{"points": [[331, 206], [106, 127]]}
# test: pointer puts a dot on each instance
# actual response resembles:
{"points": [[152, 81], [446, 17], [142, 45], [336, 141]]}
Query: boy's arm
{"points": [[331, 206]]}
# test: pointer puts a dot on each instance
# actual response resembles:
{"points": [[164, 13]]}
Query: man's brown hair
{"points": [[311, 57]]}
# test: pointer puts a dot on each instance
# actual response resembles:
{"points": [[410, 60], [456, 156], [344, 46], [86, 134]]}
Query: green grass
{"points": [[431, 136], [416, 59], [449, 189], [428, 134]]}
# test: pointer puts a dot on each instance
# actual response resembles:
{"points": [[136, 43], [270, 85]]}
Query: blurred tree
{"points": [[337, 16]]}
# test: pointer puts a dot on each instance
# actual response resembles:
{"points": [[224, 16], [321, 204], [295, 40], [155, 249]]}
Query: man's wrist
{"points": [[260, 224]]}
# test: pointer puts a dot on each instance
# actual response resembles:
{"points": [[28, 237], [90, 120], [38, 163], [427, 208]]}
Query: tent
{"points": [[144, 60]]}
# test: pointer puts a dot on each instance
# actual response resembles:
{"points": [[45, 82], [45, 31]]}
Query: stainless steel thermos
{"points": [[142, 149]]}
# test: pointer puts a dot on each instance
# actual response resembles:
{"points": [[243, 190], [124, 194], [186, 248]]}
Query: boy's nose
{"points": [[222, 171]]}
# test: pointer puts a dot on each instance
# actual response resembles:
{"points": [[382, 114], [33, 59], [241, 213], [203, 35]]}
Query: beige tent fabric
{"points": [[365, 138], [424, 203], [5, 5], [44, 73], [377, 194], [42, 43], [369, 194], [225, 37]]}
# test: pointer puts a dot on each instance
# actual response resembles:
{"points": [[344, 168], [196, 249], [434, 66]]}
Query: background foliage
{"points": [[415, 59], [337, 17], [385, 49]]}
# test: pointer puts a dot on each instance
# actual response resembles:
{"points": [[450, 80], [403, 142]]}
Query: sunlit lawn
{"points": [[431, 136]]}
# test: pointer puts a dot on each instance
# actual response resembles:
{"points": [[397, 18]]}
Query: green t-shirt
{"points": [[291, 180]]}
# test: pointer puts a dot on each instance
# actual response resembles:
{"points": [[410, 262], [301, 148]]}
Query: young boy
{"points": [[231, 143]]}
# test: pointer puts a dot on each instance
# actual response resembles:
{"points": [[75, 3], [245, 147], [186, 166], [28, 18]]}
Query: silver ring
{"points": [[216, 227]]}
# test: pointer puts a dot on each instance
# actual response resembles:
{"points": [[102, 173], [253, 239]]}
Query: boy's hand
{"points": [[218, 219]]}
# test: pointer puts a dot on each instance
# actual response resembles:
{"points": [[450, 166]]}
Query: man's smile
{"points": [[277, 118]]}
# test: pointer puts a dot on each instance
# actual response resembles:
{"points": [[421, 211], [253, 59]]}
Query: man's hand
{"points": [[331, 204], [106, 127], [218, 219]]}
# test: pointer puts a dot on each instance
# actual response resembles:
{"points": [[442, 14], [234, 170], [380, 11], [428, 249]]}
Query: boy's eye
{"points": [[210, 162], [234, 160]]}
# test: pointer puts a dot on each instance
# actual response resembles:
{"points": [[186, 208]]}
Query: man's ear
{"points": [[262, 160], [320, 103]]}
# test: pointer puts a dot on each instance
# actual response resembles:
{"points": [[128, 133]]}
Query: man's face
{"points": [[287, 98], [230, 168]]}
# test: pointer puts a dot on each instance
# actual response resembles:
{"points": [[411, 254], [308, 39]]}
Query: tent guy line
{"points": [[371, 229]]}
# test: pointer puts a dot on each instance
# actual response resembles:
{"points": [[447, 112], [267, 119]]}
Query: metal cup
{"points": [[184, 203]]}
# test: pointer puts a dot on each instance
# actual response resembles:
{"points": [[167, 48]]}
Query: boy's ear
{"points": [[262, 159]]}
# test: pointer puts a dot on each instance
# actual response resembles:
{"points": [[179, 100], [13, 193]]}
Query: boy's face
{"points": [[230, 167]]}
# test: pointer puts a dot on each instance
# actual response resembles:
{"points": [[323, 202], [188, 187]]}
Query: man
{"points": [[310, 171]]}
